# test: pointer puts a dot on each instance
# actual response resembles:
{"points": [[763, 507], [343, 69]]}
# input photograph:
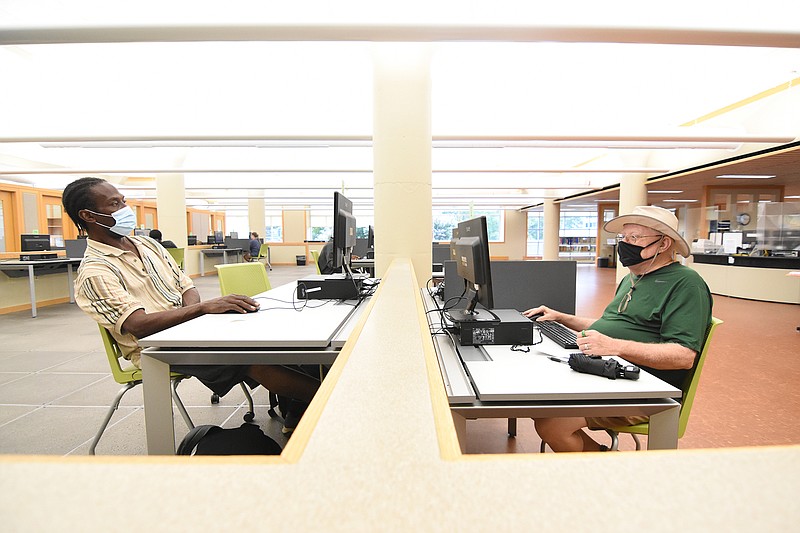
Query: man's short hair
{"points": [[155, 234]]}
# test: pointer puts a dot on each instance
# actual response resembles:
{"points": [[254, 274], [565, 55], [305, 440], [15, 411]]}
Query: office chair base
{"points": [[250, 415]]}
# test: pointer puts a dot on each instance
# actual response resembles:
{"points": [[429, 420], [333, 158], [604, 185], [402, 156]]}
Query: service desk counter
{"points": [[755, 278]]}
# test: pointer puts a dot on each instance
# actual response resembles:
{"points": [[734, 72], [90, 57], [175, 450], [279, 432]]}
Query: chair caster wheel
{"points": [[249, 417], [215, 398]]}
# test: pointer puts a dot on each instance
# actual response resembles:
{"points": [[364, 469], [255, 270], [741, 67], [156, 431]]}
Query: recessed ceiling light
{"points": [[679, 201], [791, 197], [665, 192], [745, 176]]}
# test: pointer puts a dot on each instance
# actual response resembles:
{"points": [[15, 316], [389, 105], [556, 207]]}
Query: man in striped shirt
{"points": [[131, 286]]}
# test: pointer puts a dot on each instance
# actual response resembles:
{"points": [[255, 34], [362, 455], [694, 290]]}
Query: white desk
{"points": [[217, 251], [50, 266], [496, 382], [270, 336]]}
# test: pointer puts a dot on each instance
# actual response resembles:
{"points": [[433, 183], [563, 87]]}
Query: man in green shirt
{"points": [[657, 319]]}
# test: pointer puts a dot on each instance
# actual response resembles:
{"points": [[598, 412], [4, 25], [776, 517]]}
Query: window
{"points": [[273, 232], [535, 246], [577, 234], [320, 227], [446, 219]]}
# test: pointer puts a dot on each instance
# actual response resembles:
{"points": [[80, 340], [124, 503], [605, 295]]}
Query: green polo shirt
{"points": [[670, 305]]}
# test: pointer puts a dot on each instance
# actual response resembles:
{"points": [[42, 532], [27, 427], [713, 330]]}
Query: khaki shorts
{"points": [[602, 422]]}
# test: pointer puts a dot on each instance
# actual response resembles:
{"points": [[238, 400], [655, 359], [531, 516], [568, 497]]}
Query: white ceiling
{"points": [[513, 123]]}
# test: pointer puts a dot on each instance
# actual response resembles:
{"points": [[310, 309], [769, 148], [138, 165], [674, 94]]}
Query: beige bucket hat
{"points": [[651, 216]]}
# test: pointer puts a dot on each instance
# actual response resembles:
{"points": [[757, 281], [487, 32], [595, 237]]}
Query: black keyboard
{"points": [[561, 335]]}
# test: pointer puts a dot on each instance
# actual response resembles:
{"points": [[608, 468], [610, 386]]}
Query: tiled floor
{"points": [[55, 384]]}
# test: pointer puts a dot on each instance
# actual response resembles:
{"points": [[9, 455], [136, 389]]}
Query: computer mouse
{"points": [[233, 311]]}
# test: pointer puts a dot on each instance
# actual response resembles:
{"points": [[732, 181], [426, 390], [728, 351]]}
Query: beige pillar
{"points": [[632, 192], [402, 156], [552, 222], [256, 217], [171, 206]]}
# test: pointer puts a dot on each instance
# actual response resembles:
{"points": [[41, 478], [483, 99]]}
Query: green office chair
{"points": [[129, 377], [243, 278], [689, 388], [315, 257], [248, 279], [263, 253], [177, 254]]}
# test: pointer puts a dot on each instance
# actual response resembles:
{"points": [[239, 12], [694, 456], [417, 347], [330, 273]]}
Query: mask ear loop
{"points": [[623, 304]]}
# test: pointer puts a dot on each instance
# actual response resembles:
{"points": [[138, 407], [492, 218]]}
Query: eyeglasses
{"points": [[633, 239]]}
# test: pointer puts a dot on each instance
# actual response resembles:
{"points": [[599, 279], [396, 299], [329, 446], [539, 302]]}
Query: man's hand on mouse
{"points": [[542, 313], [232, 303]]}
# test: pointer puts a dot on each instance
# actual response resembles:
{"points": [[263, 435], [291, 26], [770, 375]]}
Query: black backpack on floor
{"points": [[247, 439]]}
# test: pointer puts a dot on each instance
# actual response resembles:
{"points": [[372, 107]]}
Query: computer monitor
{"points": [[471, 250], [219, 237], [234, 235], [344, 231], [371, 238], [34, 242], [211, 239]]}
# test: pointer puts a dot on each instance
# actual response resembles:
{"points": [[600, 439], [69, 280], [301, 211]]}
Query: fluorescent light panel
{"points": [[745, 176]]}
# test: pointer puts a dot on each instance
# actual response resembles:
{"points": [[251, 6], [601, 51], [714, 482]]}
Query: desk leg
{"points": [[202, 263], [71, 284], [225, 257], [460, 424], [664, 430], [157, 407], [32, 286]]}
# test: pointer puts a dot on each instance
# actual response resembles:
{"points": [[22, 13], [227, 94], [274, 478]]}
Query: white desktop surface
{"points": [[270, 327], [512, 375]]}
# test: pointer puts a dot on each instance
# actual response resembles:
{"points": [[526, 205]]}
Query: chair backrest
{"points": [[177, 255], [243, 278], [263, 251], [690, 387], [114, 354], [315, 257]]}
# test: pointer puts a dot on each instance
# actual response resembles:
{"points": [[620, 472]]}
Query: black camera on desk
{"points": [[609, 368]]}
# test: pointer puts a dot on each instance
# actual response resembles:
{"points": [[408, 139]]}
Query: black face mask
{"points": [[630, 254]]}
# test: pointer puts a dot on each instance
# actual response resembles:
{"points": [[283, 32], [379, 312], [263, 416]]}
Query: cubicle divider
{"points": [[522, 285]]}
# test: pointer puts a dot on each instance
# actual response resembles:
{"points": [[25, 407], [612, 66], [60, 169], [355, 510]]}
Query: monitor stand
{"points": [[459, 316]]}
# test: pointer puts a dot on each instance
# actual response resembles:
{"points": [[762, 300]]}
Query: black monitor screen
{"points": [[344, 230], [34, 242], [470, 247], [219, 237], [371, 238]]}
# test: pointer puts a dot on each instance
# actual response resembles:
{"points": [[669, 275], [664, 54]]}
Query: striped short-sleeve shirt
{"points": [[113, 283]]}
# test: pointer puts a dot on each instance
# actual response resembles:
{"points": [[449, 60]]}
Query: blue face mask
{"points": [[125, 221]]}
